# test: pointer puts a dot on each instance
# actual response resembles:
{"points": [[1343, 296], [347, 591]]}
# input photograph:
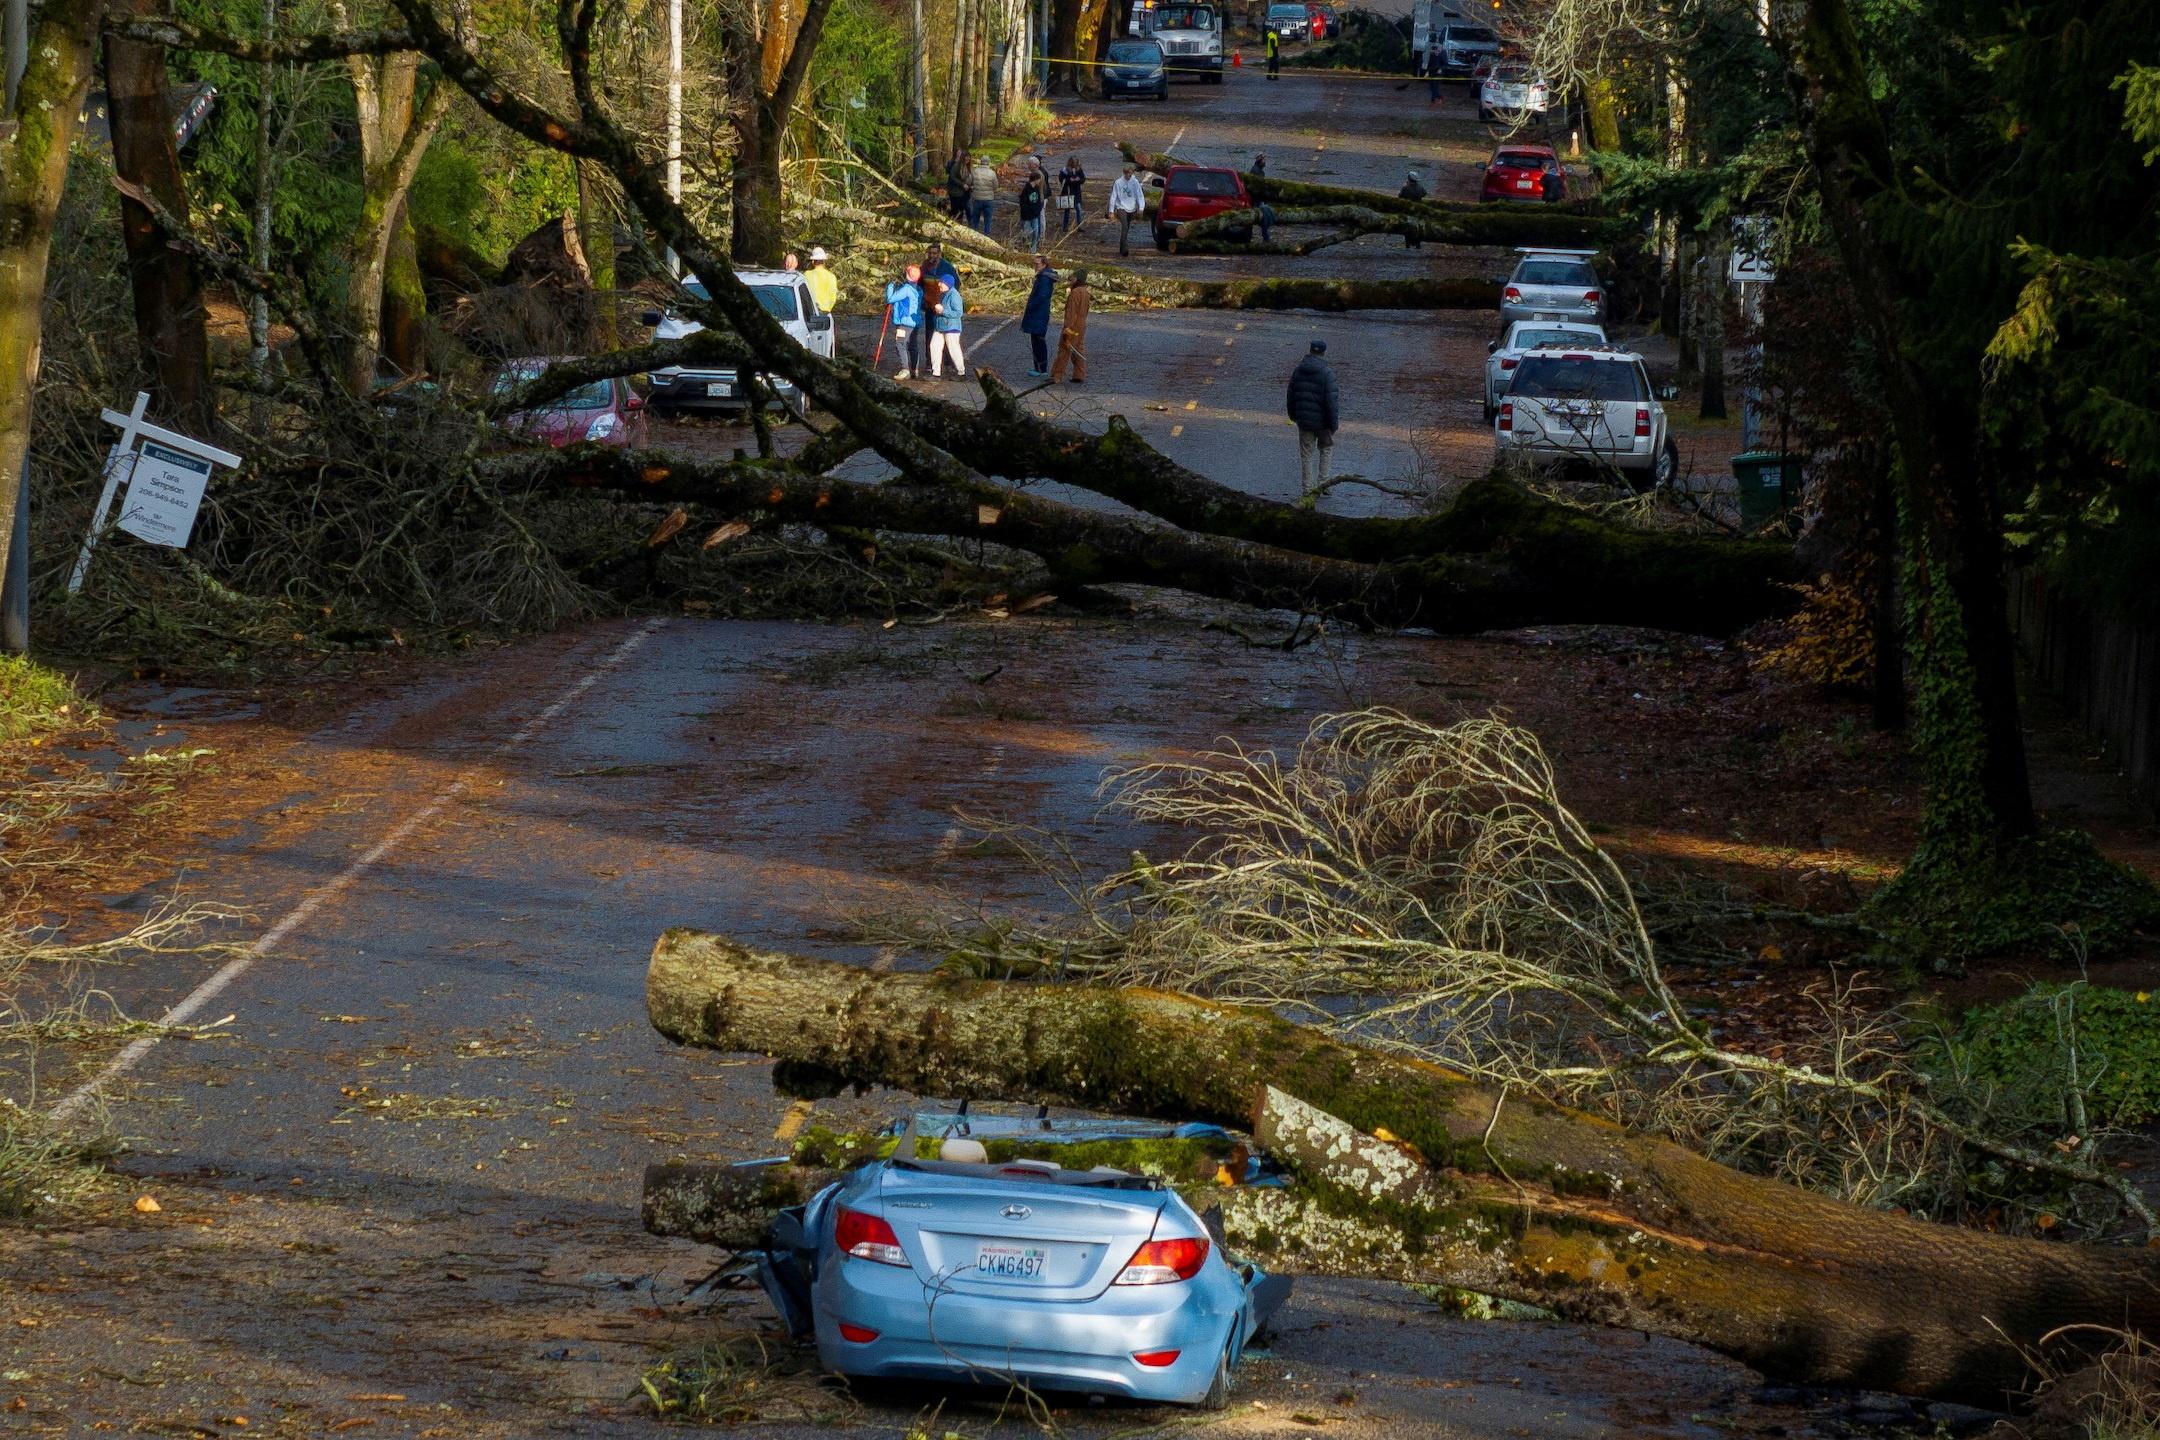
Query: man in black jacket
{"points": [[1315, 407]]}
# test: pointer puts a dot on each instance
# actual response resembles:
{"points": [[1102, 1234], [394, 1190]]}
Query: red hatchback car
{"points": [[603, 412], [1195, 192], [1524, 172]]}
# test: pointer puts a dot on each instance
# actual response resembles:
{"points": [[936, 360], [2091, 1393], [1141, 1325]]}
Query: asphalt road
{"points": [[399, 1170]]}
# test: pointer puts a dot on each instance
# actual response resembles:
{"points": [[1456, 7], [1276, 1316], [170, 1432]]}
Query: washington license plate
{"points": [[1011, 1262], [718, 390]]}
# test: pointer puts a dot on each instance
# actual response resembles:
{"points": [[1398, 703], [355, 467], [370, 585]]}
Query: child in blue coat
{"points": [[945, 335], [1035, 319], [904, 296]]}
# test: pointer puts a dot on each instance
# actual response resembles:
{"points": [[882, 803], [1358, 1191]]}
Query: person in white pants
{"points": [[945, 335]]}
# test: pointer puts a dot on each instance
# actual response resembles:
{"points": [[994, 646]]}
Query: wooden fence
{"points": [[2106, 669]]}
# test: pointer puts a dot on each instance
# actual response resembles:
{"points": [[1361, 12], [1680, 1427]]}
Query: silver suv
{"points": [[1553, 285], [1590, 404]]}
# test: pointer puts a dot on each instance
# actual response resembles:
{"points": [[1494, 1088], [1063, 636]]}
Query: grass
{"points": [[741, 1378], [35, 700], [42, 1170]]}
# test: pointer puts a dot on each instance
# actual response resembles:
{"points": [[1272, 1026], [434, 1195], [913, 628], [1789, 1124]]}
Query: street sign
{"points": [[164, 493], [1754, 245], [165, 473]]}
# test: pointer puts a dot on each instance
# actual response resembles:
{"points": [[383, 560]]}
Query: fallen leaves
{"points": [[147, 1205]]}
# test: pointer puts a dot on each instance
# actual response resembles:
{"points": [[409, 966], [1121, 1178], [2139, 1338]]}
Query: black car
{"points": [[1135, 67]]}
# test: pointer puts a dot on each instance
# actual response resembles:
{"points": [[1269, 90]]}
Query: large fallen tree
{"points": [[1471, 1185]]}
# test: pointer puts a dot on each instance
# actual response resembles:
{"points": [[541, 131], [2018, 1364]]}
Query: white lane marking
{"points": [[1000, 328], [299, 915], [1171, 148]]}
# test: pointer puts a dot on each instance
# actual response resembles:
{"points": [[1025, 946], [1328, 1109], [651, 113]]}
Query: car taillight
{"points": [[1591, 297], [1160, 1262], [1507, 415], [1513, 292], [867, 1237], [1156, 1359], [1642, 421], [860, 1334], [1506, 364]]}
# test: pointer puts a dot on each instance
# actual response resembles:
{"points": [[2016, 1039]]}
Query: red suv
{"points": [[1194, 192], [1518, 172]]}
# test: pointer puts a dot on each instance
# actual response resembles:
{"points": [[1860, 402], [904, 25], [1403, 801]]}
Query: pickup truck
{"points": [[786, 298]]}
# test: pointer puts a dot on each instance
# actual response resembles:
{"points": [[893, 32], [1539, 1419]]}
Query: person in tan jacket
{"points": [[1072, 340]]}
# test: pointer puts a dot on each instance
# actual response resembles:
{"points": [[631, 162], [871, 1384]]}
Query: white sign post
{"points": [[165, 473]]}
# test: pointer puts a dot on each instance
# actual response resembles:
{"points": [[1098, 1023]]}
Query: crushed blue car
{"points": [[958, 1269]]}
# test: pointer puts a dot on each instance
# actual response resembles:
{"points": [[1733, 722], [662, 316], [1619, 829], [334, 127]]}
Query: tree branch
{"points": [[290, 50]]}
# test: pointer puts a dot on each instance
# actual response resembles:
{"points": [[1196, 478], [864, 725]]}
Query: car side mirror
{"points": [[1155, 182], [1492, 346], [821, 321], [633, 401], [649, 317]]}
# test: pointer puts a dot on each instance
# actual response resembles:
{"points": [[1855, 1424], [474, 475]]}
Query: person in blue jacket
{"points": [[945, 335], [904, 296], [1035, 319]]}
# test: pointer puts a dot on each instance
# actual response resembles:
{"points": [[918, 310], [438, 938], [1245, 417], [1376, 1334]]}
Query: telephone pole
{"points": [[674, 119]]}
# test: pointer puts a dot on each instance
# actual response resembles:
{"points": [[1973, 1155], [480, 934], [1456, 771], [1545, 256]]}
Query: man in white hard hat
{"points": [[824, 285]]}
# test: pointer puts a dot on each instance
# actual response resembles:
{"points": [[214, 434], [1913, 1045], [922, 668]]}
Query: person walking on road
{"points": [[1315, 406], [1071, 181], [824, 285], [1035, 319], [945, 336], [982, 195], [1259, 167], [903, 300], [956, 184], [1411, 190], [1128, 202], [1072, 340], [1432, 77], [1273, 46], [1033, 196]]}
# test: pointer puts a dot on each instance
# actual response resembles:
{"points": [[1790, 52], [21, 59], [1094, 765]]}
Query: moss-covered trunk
{"points": [[1499, 1193], [33, 172]]}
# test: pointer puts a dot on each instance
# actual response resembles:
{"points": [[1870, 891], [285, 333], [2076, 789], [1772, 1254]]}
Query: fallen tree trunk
{"points": [[1633, 581], [1483, 227], [1502, 1194]]}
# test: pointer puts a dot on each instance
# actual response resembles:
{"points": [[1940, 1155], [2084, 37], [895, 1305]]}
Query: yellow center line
{"points": [[1220, 358], [1240, 324], [798, 1115], [1192, 404], [1176, 430]]}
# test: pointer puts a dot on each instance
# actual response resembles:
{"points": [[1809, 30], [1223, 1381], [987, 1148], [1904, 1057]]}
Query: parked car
{"points": [[1290, 20], [1135, 67], [1502, 356], [1462, 44], [960, 1269], [1592, 405], [1517, 171], [1195, 192], [1323, 21], [786, 297], [1514, 90], [1553, 285], [601, 412]]}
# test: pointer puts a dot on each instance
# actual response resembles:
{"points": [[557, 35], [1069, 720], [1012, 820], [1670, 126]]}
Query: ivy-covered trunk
{"points": [[395, 129], [33, 171]]}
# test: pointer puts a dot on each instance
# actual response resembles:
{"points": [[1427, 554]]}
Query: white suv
{"points": [[1588, 404], [786, 298]]}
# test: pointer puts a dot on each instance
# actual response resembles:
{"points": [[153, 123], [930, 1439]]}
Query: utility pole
{"points": [[918, 84], [674, 118]]}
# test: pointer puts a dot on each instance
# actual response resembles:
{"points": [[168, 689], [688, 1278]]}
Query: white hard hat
{"points": [[817, 252]]}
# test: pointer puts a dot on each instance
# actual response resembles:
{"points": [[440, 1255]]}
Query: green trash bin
{"points": [[1769, 484]]}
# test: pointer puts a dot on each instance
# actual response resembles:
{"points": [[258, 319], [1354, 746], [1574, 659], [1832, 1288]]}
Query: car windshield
{"points": [[1521, 160], [1560, 377], [1286, 12], [778, 300], [1185, 17], [592, 396], [1472, 35], [1556, 272], [1511, 74], [1531, 339], [1201, 182], [1128, 52]]}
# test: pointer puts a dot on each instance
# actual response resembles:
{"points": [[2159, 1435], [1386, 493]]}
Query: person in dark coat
{"points": [[956, 184], [1411, 190], [1315, 407], [1550, 185], [1035, 319]]}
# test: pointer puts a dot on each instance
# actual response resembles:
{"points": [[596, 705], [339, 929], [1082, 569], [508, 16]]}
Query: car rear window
{"points": [[1201, 182], [1555, 377], [1556, 272], [1531, 339], [1144, 53], [1471, 35], [1287, 12], [1521, 160]]}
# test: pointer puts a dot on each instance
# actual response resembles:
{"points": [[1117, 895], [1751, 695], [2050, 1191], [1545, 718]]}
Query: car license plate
{"points": [[718, 389], [1011, 1262], [1522, 184]]}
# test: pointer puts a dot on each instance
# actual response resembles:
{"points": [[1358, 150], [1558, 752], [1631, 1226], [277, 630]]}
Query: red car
{"points": [[1524, 172], [603, 412], [1195, 192]]}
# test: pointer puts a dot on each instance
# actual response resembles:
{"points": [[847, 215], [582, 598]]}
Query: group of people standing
{"points": [[925, 301], [971, 194]]}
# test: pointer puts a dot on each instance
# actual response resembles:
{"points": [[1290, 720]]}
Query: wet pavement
{"points": [[398, 1172]]}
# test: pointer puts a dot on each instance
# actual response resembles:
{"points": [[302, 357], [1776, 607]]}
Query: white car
{"points": [[786, 297], [1504, 354], [1589, 405], [1553, 285], [1513, 90]]}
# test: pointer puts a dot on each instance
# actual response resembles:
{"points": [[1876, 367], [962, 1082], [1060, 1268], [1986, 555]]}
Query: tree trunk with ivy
{"points": [[396, 125], [1411, 1171]]}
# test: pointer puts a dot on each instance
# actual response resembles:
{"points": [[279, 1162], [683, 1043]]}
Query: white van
{"points": [[786, 298]]}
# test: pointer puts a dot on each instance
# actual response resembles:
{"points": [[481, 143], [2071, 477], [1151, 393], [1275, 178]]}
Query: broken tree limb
{"points": [[1478, 227], [725, 1205], [1538, 1202]]}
